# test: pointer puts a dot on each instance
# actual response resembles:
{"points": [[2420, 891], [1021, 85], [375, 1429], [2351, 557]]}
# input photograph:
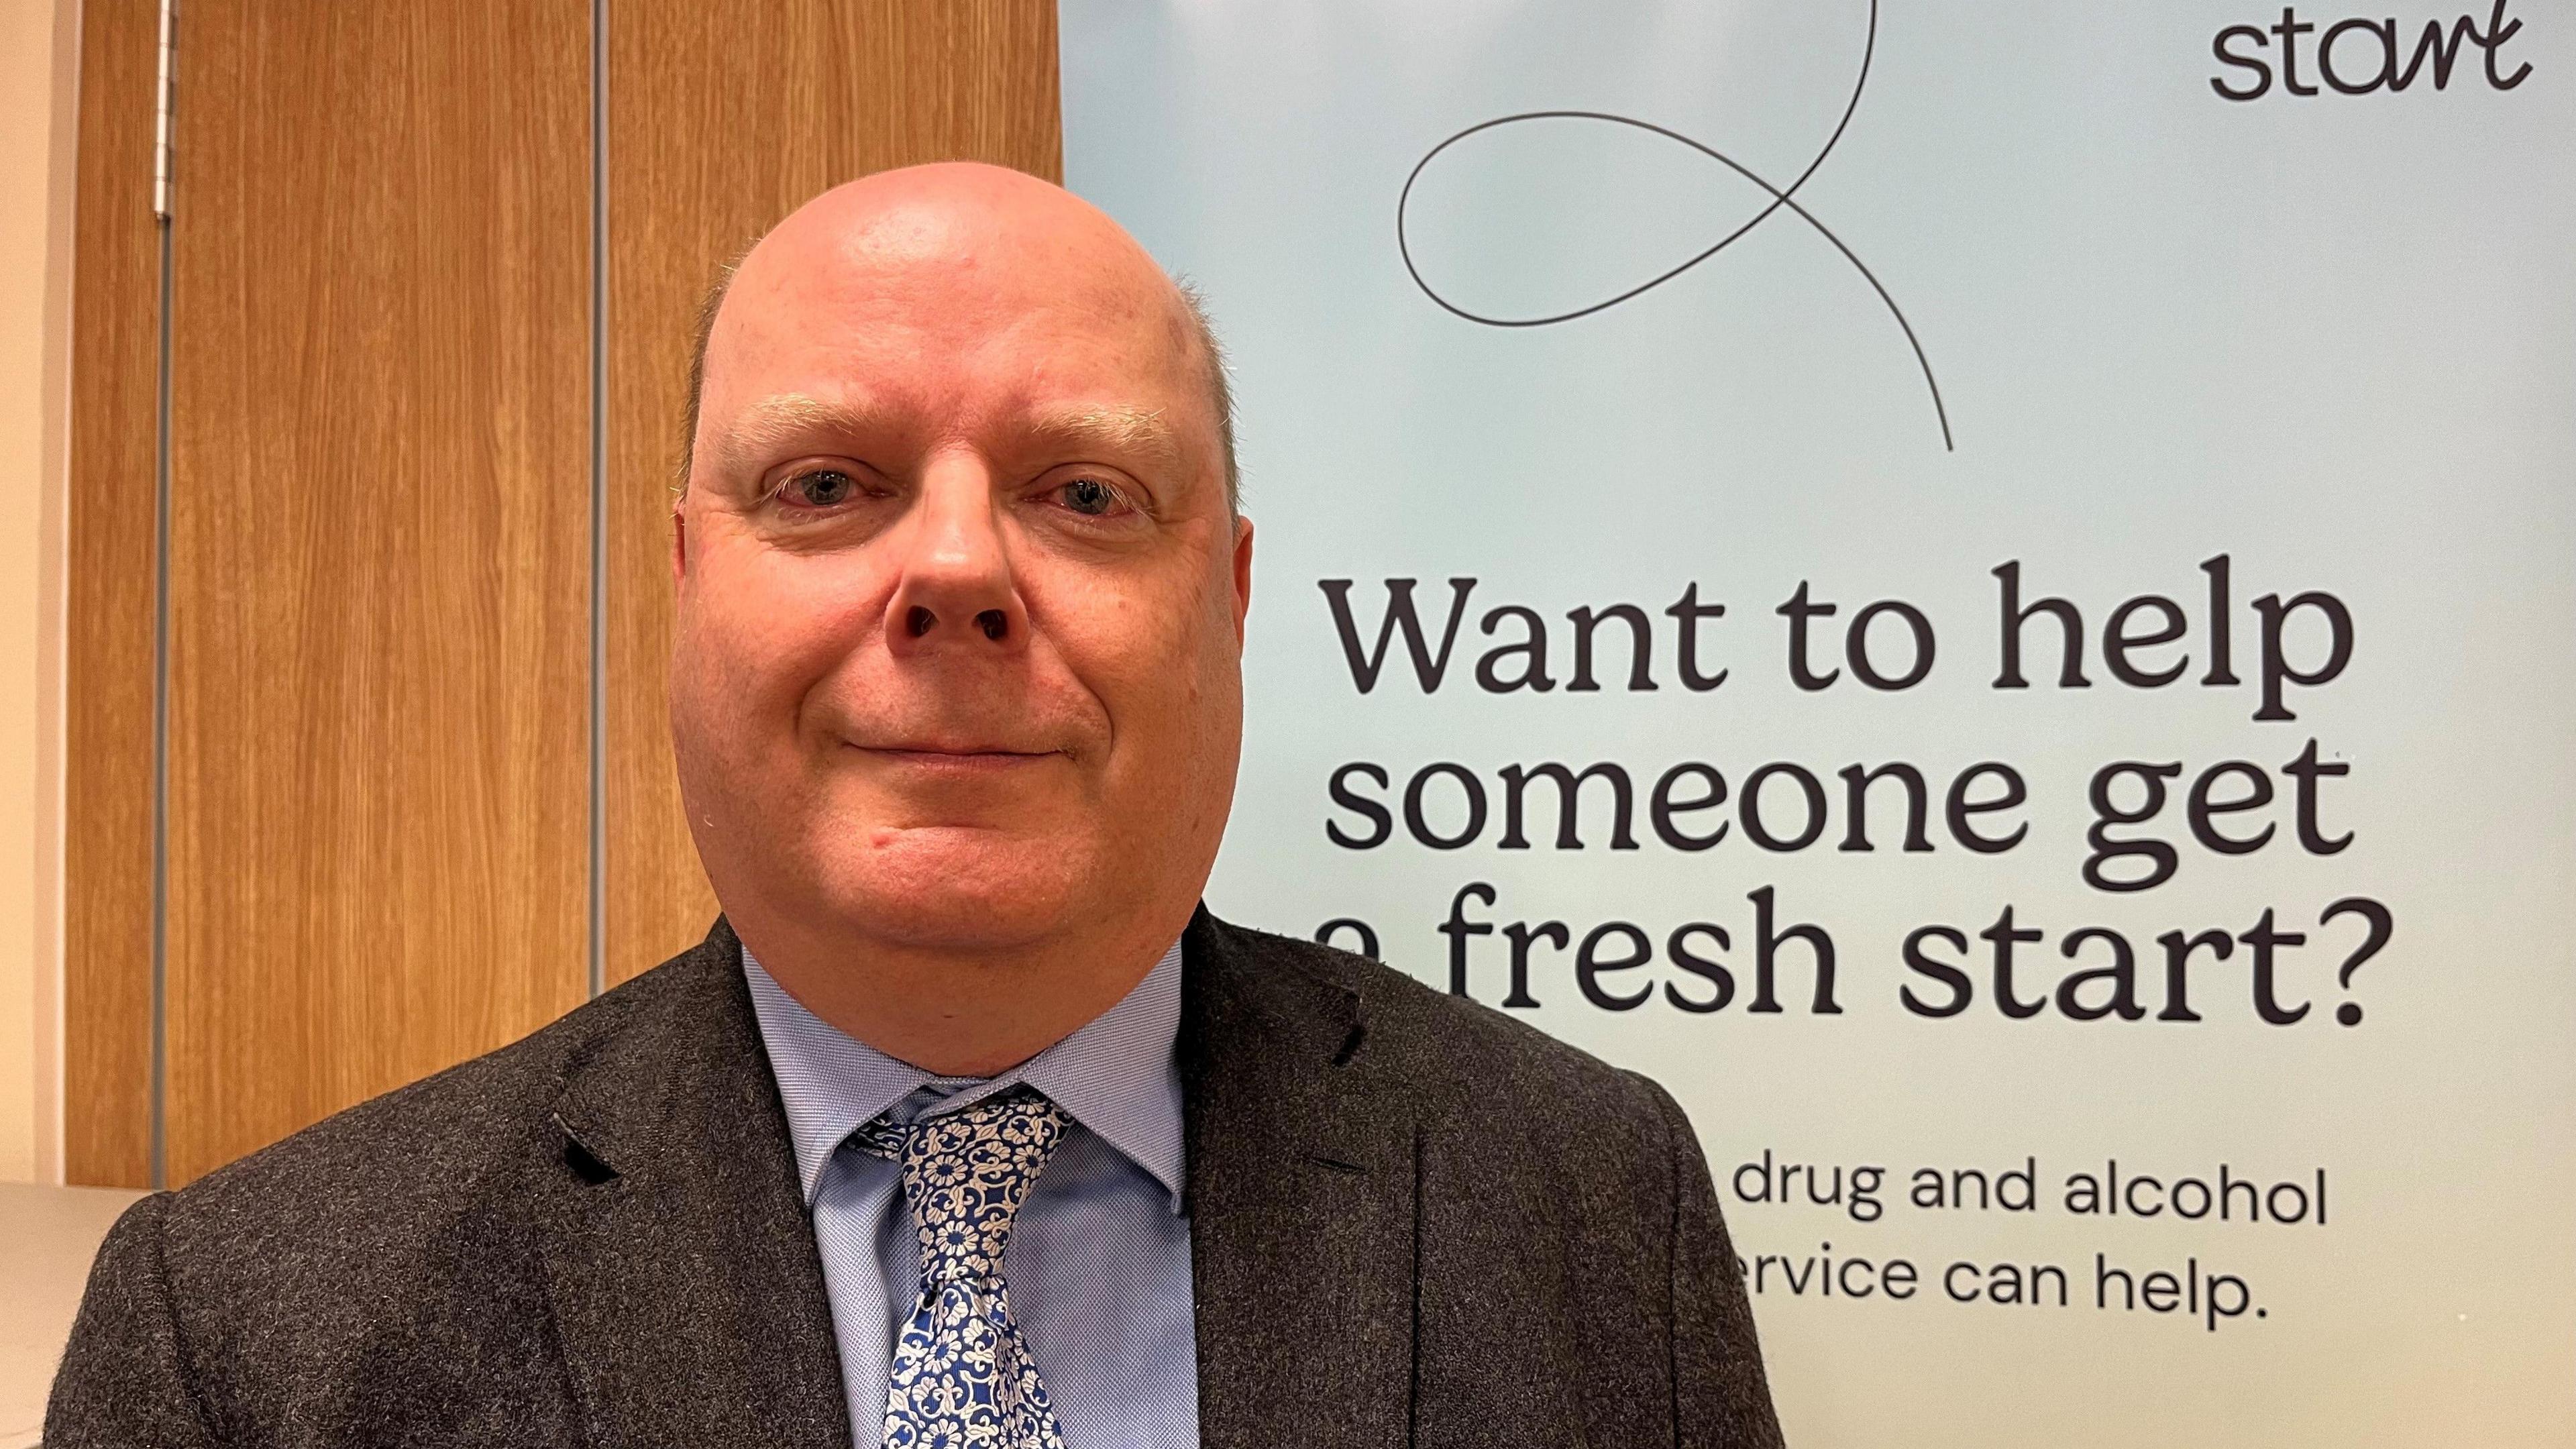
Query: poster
{"points": [[1986, 591]]}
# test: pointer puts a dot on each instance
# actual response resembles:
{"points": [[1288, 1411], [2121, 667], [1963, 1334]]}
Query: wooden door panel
{"points": [[108, 586], [379, 552]]}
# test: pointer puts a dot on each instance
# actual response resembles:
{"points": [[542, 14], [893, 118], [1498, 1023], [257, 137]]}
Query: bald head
{"points": [[965, 217]]}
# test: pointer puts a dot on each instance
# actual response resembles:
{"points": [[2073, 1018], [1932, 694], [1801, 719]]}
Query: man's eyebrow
{"points": [[1129, 432], [788, 418]]}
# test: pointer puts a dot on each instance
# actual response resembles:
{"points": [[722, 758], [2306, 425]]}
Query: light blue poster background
{"points": [[2331, 337]]}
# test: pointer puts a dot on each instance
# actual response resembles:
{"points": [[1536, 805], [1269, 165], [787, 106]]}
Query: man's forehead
{"points": [[950, 266], [965, 306], [959, 293], [944, 315]]}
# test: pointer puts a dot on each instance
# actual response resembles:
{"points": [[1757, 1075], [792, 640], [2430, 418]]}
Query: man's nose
{"points": [[957, 588]]}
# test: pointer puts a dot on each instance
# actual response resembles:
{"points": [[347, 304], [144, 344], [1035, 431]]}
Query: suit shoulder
{"points": [[1459, 1054], [407, 1233], [408, 1157]]}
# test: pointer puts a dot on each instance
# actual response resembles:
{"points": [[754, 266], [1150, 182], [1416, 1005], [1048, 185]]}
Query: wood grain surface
{"points": [[722, 119], [379, 558], [107, 607]]}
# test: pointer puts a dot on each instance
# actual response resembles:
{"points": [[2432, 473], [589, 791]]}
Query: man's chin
{"points": [[957, 888]]}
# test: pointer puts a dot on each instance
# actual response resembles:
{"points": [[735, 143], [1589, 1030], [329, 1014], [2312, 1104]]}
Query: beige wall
{"points": [[38, 55]]}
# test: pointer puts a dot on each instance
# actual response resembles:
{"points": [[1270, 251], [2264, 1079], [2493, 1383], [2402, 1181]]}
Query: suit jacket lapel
{"points": [[1301, 1192], [688, 1295]]}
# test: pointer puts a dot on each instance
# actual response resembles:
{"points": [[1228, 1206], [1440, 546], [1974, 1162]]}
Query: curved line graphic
{"points": [[1780, 197]]}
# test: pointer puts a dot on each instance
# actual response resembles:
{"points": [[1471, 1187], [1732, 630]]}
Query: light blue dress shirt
{"points": [[1099, 1260]]}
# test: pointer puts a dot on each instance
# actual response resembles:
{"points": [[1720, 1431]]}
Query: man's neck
{"points": [[953, 1012]]}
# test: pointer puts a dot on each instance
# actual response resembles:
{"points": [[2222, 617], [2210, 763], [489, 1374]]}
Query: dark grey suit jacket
{"points": [[1412, 1221]]}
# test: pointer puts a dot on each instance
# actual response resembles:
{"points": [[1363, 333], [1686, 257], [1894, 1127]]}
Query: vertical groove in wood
{"points": [[596, 977], [379, 559], [107, 607], [722, 120]]}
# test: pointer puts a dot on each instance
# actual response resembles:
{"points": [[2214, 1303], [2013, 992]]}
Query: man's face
{"points": [[961, 597]]}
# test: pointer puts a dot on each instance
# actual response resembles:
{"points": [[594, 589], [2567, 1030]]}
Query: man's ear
{"points": [[1242, 575]]}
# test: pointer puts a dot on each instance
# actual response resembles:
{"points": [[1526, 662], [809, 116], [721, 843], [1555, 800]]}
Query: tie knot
{"points": [[966, 1174]]}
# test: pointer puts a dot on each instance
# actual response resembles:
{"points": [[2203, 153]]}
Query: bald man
{"points": [[966, 1124]]}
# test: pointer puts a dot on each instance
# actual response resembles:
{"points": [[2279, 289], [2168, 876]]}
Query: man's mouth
{"points": [[955, 756]]}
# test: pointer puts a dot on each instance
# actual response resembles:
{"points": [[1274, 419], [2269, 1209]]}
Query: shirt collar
{"points": [[1115, 1075]]}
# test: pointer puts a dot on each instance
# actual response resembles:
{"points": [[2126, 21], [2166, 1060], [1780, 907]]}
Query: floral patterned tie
{"points": [[962, 1377]]}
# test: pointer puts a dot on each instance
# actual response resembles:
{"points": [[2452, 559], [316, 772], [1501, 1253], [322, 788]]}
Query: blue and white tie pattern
{"points": [[963, 1379]]}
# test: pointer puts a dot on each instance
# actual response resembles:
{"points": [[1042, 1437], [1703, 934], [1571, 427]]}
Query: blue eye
{"points": [[1088, 496], [821, 488]]}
